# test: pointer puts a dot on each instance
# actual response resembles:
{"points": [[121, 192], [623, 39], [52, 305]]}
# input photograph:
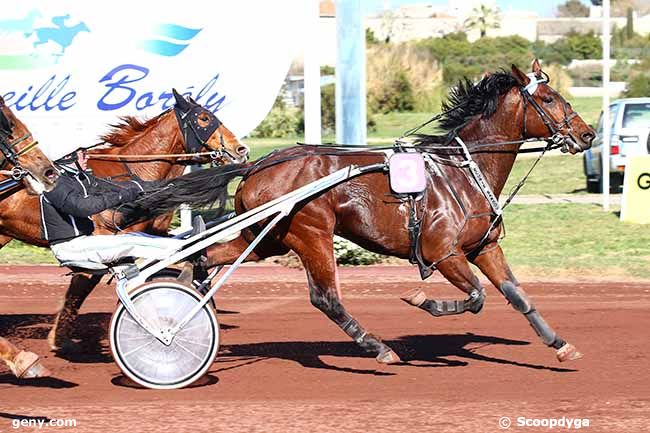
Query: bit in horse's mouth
{"points": [[236, 160], [571, 146]]}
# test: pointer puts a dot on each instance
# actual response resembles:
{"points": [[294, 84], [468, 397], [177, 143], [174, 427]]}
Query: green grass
{"points": [[549, 240], [262, 146], [553, 175], [588, 108], [389, 127], [392, 125], [19, 252], [575, 240]]}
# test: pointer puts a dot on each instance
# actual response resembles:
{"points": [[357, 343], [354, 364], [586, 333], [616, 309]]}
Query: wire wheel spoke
{"points": [[126, 355], [149, 362], [192, 342], [189, 351]]}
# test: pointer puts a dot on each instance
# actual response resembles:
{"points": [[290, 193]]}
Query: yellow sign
{"points": [[635, 206]]}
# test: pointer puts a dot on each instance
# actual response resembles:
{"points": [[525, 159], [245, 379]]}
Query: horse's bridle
{"points": [[9, 149], [195, 136], [557, 137]]}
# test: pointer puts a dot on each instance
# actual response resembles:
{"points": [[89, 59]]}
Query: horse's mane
{"points": [[475, 98], [128, 129], [466, 100]]}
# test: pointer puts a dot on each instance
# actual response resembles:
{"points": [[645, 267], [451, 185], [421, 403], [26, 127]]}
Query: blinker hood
{"points": [[195, 135]]}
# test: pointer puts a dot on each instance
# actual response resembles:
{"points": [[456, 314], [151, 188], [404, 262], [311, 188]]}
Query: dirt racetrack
{"points": [[285, 368]]}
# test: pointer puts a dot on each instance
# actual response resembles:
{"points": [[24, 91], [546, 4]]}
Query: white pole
{"points": [[186, 212], [350, 73], [606, 113], [311, 64]]}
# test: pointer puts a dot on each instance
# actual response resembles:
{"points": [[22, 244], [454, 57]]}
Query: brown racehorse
{"points": [[162, 135], [455, 215], [21, 156]]}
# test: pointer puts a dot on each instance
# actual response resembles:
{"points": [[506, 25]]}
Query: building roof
{"points": [[327, 8]]}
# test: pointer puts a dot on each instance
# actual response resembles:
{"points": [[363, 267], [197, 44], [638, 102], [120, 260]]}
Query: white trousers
{"points": [[106, 248]]}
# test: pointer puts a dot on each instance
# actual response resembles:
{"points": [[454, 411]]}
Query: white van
{"points": [[630, 135]]}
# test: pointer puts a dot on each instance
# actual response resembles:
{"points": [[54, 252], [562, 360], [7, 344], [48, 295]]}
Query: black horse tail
{"points": [[204, 188]]}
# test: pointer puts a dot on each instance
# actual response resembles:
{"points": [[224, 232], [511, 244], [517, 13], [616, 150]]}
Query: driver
{"points": [[67, 226]]}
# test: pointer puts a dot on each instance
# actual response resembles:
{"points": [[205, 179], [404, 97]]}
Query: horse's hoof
{"points": [[389, 357], [568, 352], [415, 297], [27, 365]]}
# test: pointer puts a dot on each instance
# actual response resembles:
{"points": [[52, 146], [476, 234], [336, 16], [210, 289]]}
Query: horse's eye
{"points": [[547, 99]]}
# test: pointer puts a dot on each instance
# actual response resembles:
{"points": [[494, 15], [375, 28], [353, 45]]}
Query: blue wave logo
{"points": [[174, 45]]}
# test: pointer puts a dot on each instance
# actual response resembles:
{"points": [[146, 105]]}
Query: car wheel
{"points": [[616, 183], [594, 186]]}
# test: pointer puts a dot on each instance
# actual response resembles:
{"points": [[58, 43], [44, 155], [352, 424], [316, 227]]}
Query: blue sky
{"points": [[542, 7]]}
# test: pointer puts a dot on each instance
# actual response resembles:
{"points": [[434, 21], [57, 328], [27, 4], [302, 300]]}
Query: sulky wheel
{"points": [[147, 361]]}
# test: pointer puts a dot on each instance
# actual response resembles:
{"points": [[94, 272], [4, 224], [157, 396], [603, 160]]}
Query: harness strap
{"points": [[8, 149], [481, 182], [496, 215], [8, 184], [149, 157]]}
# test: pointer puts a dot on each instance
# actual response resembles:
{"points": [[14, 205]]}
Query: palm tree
{"points": [[483, 18]]}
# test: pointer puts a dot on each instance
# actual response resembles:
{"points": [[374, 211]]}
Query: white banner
{"points": [[69, 69]]}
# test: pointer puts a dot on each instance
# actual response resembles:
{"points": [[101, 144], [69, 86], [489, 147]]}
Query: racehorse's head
{"points": [[546, 112], [21, 156], [204, 132]]}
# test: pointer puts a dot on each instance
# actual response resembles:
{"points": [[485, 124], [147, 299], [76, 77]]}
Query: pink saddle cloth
{"points": [[407, 173]]}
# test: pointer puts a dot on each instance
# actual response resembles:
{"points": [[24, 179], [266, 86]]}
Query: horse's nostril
{"points": [[242, 150], [588, 136]]}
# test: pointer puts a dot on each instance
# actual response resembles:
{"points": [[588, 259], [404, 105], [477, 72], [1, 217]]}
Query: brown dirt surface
{"points": [[284, 367]]}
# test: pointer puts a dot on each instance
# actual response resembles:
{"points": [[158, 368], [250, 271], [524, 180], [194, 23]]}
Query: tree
{"points": [[629, 27], [483, 18], [573, 8], [584, 46], [370, 37], [638, 87], [639, 80]]}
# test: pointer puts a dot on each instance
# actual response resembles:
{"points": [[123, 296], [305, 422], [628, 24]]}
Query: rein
{"points": [[8, 184], [10, 153], [192, 142], [149, 157]]}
